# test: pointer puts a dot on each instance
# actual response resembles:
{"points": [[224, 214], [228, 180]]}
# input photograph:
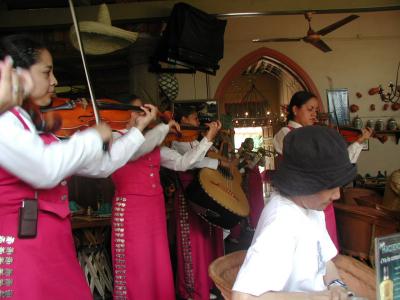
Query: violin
{"points": [[186, 134], [67, 116], [350, 134]]}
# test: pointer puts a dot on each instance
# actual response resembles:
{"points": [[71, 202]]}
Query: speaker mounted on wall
{"points": [[192, 39]]}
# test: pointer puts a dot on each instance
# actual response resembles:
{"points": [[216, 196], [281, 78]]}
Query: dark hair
{"points": [[247, 141], [184, 112], [23, 49], [298, 99]]}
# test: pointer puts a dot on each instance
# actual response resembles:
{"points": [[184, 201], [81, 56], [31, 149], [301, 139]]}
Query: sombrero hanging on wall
{"points": [[100, 37]]}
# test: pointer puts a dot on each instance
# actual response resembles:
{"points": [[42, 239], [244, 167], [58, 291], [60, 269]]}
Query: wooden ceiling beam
{"points": [[156, 10]]}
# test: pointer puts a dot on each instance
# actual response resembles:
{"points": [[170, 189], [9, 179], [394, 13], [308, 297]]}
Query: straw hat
{"points": [[100, 37]]}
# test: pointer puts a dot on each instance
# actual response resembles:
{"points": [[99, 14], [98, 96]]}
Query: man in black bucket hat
{"points": [[291, 249]]}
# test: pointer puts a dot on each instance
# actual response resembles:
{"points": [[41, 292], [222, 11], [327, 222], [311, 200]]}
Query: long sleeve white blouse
{"points": [[170, 158], [184, 147], [353, 149], [24, 154]]}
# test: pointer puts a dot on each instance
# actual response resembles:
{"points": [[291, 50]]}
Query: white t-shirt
{"points": [[289, 251]]}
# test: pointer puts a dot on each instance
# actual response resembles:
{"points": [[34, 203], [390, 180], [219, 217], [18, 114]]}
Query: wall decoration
{"points": [[373, 91], [168, 85], [354, 108], [338, 106]]}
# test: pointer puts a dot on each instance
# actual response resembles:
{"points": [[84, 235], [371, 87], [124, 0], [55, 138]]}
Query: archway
{"points": [[253, 57]]}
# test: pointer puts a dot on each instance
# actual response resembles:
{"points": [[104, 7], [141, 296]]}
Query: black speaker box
{"points": [[192, 37]]}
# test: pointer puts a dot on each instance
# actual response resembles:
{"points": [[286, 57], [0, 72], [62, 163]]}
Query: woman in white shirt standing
{"points": [[303, 111]]}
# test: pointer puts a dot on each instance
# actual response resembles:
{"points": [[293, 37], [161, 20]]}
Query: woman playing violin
{"points": [[34, 167], [302, 111], [140, 242]]}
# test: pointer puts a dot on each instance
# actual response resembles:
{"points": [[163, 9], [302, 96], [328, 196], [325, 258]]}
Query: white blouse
{"points": [[184, 147], [24, 154], [353, 149], [170, 158]]}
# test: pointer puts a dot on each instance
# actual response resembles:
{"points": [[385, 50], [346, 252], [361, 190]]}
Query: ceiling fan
{"points": [[313, 37]]}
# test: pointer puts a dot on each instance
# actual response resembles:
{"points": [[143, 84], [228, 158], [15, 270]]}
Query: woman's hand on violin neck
{"points": [[150, 113], [214, 127], [174, 126], [105, 131], [365, 135]]}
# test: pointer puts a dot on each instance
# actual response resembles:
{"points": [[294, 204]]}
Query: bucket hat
{"points": [[315, 158]]}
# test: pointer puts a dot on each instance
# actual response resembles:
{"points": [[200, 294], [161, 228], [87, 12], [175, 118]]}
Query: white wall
{"points": [[365, 54]]}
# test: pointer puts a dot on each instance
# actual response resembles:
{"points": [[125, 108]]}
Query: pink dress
{"points": [[255, 195], [141, 260], [198, 244], [44, 267]]}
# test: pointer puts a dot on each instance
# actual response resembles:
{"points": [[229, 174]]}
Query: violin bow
{"points": [[82, 51]]}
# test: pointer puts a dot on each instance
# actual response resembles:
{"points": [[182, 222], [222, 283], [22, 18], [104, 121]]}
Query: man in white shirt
{"points": [[291, 250]]}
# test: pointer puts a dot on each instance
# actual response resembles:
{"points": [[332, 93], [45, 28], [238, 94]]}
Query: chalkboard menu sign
{"points": [[387, 260]]}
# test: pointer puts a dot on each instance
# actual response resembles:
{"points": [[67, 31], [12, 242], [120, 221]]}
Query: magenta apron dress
{"points": [[141, 260], [44, 267], [255, 196], [198, 244]]}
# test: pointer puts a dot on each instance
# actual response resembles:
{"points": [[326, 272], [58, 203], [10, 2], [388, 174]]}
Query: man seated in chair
{"points": [[291, 249]]}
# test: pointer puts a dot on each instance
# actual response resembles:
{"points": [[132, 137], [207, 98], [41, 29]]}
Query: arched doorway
{"points": [[262, 81], [278, 57]]}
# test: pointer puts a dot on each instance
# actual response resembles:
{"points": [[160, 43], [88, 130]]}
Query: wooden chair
{"points": [[358, 226], [350, 194], [359, 277]]}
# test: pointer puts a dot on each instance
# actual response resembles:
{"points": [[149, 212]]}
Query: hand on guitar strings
{"points": [[224, 162]]}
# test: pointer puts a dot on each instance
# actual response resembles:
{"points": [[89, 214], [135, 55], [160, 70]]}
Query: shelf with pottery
{"points": [[396, 133]]}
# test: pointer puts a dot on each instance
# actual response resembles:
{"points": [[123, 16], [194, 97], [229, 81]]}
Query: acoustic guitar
{"points": [[217, 195]]}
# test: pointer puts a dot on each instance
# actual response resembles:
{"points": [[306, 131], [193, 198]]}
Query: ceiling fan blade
{"points": [[321, 45], [338, 24], [276, 40]]}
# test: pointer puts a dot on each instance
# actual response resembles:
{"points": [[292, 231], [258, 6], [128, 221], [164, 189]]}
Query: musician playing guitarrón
{"points": [[252, 185], [198, 243]]}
